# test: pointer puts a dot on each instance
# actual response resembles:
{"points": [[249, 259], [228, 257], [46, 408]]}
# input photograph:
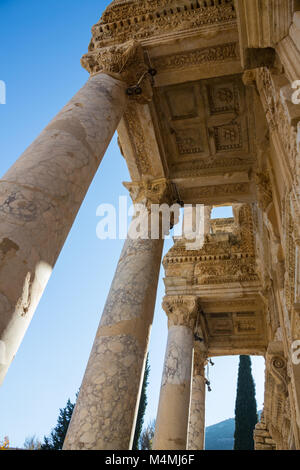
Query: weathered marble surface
{"points": [[173, 411], [197, 410], [105, 413], [40, 196]]}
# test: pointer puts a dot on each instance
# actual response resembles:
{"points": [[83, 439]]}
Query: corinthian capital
{"points": [[150, 192], [124, 62], [181, 310]]}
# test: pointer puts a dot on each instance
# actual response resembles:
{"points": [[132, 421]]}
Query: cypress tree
{"points": [[142, 409], [245, 407], [57, 436]]}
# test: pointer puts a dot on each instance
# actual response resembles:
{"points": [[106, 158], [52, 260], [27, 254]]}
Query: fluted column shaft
{"points": [[197, 409], [171, 428], [40, 196]]}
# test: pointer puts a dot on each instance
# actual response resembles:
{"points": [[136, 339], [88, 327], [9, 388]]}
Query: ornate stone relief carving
{"points": [[219, 53], [138, 139], [124, 62], [278, 119], [278, 369], [149, 192]]}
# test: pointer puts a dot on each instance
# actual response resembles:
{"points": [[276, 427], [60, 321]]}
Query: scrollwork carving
{"points": [[278, 369]]}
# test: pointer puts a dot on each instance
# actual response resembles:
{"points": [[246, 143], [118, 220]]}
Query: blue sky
{"points": [[41, 46]]}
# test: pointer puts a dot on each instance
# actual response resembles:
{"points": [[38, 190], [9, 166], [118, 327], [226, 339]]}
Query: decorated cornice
{"points": [[141, 19], [182, 310], [224, 257]]}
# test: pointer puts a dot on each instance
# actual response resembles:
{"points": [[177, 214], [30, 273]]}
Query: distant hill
{"points": [[220, 436]]}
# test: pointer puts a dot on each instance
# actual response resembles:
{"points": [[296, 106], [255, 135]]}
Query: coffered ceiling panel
{"points": [[204, 123]]}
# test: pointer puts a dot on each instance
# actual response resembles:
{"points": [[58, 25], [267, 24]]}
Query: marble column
{"points": [[106, 409], [197, 411], [42, 192], [171, 428]]}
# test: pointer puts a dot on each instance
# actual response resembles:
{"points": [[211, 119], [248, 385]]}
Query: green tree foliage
{"points": [[245, 407], [58, 434], [142, 409]]}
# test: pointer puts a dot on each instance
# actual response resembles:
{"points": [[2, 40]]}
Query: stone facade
{"points": [[202, 96]]}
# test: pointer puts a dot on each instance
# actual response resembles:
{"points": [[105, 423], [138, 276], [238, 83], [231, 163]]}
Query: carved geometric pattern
{"points": [[201, 122], [223, 97], [228, 137]]}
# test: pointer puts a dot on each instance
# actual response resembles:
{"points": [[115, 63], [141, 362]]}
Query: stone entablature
{"points": [[222, 274]]}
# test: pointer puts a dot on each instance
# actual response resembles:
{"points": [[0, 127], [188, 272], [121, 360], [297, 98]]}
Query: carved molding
{"points": [[141, 19], [228, 191], [205, 55]]}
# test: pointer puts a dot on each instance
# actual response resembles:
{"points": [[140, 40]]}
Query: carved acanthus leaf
{"points": [[181, 310], [150, 192], [124, 62]]}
